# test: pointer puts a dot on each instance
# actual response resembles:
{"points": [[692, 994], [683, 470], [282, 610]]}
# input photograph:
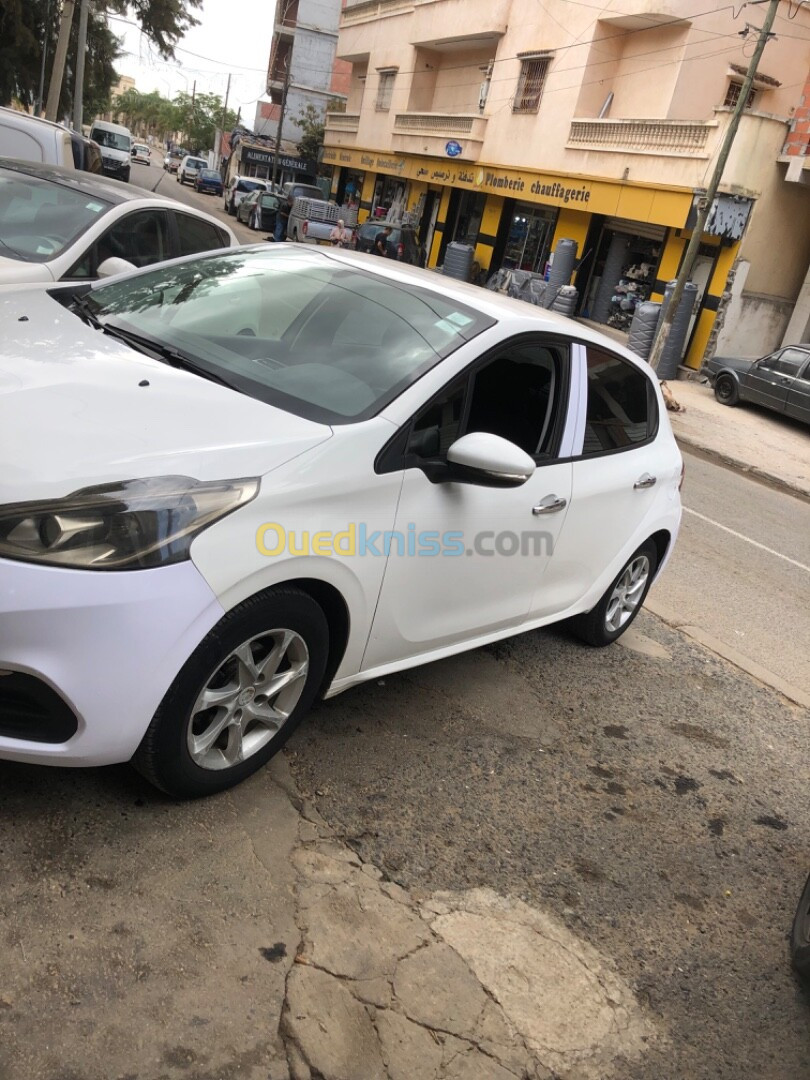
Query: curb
{"points": [[771, 479]]}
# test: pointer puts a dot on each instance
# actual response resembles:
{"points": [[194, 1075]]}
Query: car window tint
{"points": [[805, 375], [790, 362], [196, 235], [621, 410], [142, 238], [40, 219]]}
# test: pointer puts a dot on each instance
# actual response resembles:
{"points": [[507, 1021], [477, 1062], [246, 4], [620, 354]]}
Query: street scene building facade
{"points": [[509, 126]]}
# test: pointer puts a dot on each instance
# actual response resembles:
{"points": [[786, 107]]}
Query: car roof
{"points": [[28, 118], [112, 191]]}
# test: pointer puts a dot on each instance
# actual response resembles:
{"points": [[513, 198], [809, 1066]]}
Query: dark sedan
{"points": [[208, 181], [403, 243], [258, 210], [779, 381]]}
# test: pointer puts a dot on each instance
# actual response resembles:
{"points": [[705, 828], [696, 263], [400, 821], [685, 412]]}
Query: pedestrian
{"points": [[381, 241], [340, 235], [282, 217]]}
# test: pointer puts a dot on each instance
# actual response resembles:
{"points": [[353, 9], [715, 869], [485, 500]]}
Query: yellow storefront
{"points": [[568, 207]]}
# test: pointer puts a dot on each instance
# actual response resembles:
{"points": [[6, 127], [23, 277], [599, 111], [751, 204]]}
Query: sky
{"points": [[234, 36]]}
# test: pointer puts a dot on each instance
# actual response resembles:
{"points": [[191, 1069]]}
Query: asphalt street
{"points": [[651, 796]]}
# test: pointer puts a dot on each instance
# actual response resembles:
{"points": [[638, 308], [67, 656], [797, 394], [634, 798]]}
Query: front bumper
{"points": [[110, 644], [114, 167]]}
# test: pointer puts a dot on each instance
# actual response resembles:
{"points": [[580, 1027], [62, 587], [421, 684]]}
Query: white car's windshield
{"points": [[300, 330], [112, 139], [40, 218]]}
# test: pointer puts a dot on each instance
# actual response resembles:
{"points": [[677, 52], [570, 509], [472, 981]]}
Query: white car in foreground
{"points": [[62, 225], [245, 480]]}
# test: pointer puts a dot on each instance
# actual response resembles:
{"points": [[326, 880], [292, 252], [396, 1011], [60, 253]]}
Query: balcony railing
{"points": [[438, 124], [678, 138], [337, 121]]}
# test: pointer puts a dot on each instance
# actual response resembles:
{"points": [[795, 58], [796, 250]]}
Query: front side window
{"points": [[532, 79], [787, 362], [517, 395], [40, 219], [142, 238], [622, 411], [296, 329], [385, 91]]}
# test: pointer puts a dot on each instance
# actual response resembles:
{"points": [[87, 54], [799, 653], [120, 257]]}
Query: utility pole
{"points": [[58, 69], [281, 121], [706, 201], [222, 123], [78, 83], [46, 33], [193, 95]]}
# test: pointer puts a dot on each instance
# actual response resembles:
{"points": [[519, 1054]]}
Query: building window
{"points": [[385, 91], [533, 71], [733, 95]]}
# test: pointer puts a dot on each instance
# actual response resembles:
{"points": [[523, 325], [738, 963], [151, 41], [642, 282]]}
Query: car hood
{"points": [[18, 272], [79, 408], [735, 363]]}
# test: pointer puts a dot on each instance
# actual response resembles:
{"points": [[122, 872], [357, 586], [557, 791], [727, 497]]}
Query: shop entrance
{"points": [[528, 241], [624, 271], [463, 223]]}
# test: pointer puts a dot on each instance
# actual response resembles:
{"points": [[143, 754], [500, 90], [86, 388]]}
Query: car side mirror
{"points": [[114, 265], [488, 460]]}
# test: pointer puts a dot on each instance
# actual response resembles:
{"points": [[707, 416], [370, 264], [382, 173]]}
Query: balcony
{"points": [[662, 138], [339, 122], [373, 9], [428, 133]]}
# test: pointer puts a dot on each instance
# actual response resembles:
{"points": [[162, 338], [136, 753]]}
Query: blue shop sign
{"points": [[453, 149]]}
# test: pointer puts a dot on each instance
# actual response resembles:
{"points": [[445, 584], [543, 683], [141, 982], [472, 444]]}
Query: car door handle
{"points": [[552, 504], [645, 481], [786, 381]]}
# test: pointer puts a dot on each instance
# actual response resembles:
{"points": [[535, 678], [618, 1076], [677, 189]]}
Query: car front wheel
{"points": [[800, 935], [726, 390], [239, 697], [621, 601]]}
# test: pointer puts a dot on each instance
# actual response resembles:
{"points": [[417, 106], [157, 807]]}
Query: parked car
{"points": [[190, 168], [800, 935], [238, 187], [779, 381], [312, 221], [171, 163], [141, 153], [403, 243], [208, 181], [116, 144], [258, 210], [218, 464], [28, 138], [61, 225]]}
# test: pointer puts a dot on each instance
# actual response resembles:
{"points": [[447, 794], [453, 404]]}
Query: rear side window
{"points": [[196, 235], [622, 408], [249, 185]]}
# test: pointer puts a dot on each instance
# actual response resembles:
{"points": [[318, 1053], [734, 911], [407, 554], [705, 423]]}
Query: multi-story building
{"points": [[302, 56], [510, 124]]}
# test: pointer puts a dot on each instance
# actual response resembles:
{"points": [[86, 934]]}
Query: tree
{"points": [[310, 121], [199, 120], [24, 26]]}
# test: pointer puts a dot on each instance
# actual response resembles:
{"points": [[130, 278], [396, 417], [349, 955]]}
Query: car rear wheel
{"points": [[800, 935], [621, 601], [239, 697], [726, 390]]}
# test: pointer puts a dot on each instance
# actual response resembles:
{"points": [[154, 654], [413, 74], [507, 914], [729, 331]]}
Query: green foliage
{"points": [[194, 125], [310, 120], [198, 121], [24, 26]]}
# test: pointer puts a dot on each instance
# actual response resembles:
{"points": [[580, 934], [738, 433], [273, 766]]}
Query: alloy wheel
{"points": [[247, 699], [627, 593]]}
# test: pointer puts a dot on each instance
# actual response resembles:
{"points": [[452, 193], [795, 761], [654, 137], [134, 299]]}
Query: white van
{"points": [[116, 148], [31, 139]]}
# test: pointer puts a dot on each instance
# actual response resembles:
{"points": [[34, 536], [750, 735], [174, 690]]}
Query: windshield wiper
{"points": [[159, 350], [81, 305]]}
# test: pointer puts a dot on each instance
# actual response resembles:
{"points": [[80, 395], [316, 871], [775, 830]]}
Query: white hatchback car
{"points": [[141, 153], [250, 479], [189, 169], [62, 225]]}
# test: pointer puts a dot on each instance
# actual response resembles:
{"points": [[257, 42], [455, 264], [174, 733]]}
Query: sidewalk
{"points": [[753, 440]]}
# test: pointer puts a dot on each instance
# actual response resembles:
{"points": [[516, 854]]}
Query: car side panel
{"points": [[798, 399]]}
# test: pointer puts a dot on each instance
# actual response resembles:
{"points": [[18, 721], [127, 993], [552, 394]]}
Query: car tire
{"points": [[621, 601], [190, 750], [726, 390], [800, 935]]}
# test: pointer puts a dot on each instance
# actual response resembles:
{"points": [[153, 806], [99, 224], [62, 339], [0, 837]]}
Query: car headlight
{"points": [[132, 525]]}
